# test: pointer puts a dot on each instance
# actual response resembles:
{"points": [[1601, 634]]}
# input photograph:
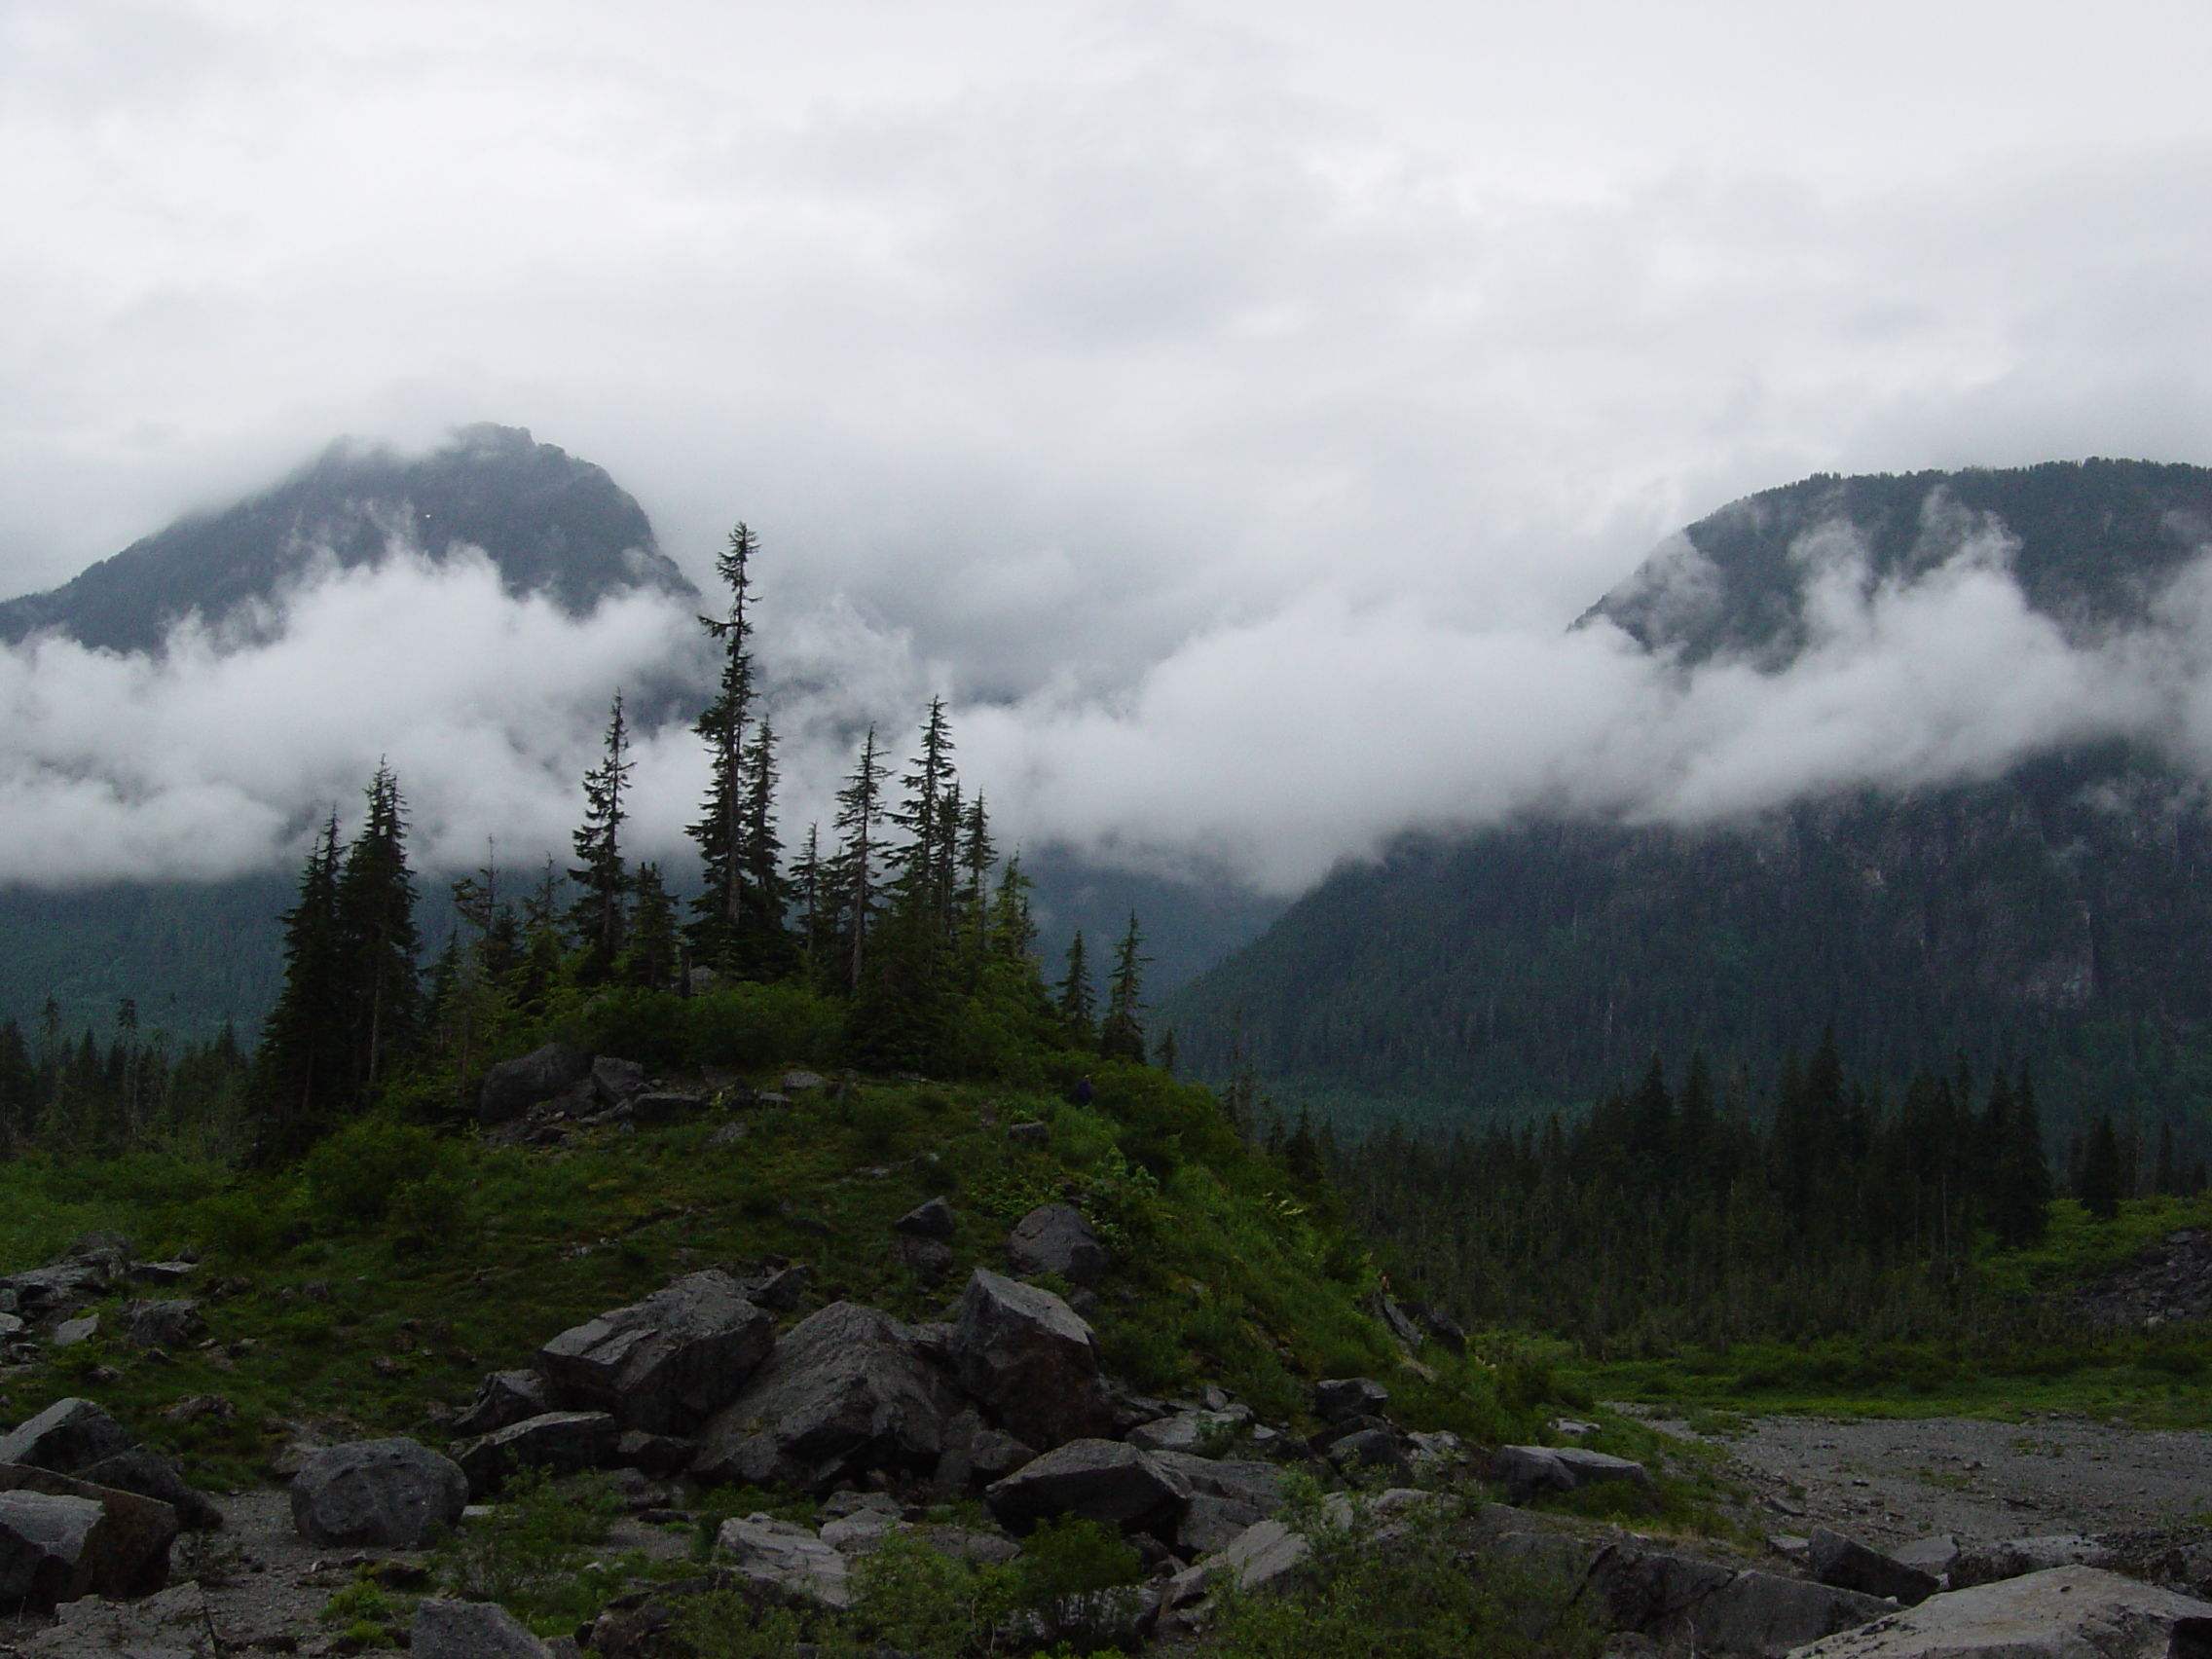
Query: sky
{"points": [[1228, 406]]}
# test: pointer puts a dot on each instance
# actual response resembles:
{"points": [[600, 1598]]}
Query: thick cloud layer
{"points": [[1260, 752]]}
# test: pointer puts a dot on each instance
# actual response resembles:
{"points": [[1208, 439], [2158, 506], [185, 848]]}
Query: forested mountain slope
{"points": [[2056, 915]]}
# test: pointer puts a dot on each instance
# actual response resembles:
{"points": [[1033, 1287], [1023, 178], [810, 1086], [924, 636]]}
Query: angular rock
{"points": [[1261, 1554], [1209, 1523], [1763, 1616], [563, 1443], [1095, 1480], [57, 1287], [471, 1630], [725, 1137], [781, 1288], [1254, 1486], [1056, 1238], [378, 1494], [666, 1363], [1372, 1449], [1187, 1431], [1932, 1554], [1344, 1397], [514, 1087], [1023, 1352], [168, 1324], [70, 1332], [1030, 1134], [615, 1081], [800, 1082], [930, 1260], [46, 1548], [2063, 1612], [1446, 1332], [962, 1543], [1531, 1471], [1397, 1321], [502, 1399], [169, 1624], [863, 1533], [1849, 1565], [933, 1220], [130, 1546], [977, 1455], [65, 1437], [663, 1106], [789, 1561], [845, 1391], [2015, 1558], [660, 1455], [163, 1272], [149, 1474]]}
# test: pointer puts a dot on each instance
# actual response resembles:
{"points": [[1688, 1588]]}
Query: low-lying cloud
{"points": [[1260, 752]]}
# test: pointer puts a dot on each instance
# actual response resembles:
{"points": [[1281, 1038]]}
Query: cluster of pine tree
{"points": [[1702, 1212], [906, 915], [137, 1089]]}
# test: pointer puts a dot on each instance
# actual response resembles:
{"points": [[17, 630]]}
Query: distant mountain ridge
{"points": [[2058, 915], [550, 523]]}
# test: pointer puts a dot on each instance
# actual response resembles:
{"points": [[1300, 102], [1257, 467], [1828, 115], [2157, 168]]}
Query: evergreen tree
{"points": [[1122, 1035], [811, 877], [601, 917], [2100, 1186], [375, 908], [651, 959], [300, 1066], [2166, 1178], [1077, 1003], [2023, 1174], [860, 813], [978, 857], [720, 833], [925, 858], [763, 947]]}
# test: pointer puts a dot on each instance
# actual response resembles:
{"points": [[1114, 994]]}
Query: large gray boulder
{"points": [[2015, 1558], [514, 1087], [69, 1435], [175, 1622], [1339, 1399], [1761, 1615], [615, 1081], [1095, 1480], [471, 1630], [977, 1455], [667, 1363], [1228, 1496], [1849, 1565], [2064, 1613], [127, 1552], [846, 1392], [1056, 1238], [561, 1442], [784, 1561], [76, 1437], [503, 1399], [47, 1548], [1023, 1352], [1529, 1472], [932, 1220], [377, 1494], [166, 1324]]}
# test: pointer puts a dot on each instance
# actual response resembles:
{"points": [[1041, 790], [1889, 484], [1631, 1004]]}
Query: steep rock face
{"points": [[550, 523]]}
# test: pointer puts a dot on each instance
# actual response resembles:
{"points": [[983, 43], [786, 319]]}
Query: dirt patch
{"points": [[1887, 1481]]}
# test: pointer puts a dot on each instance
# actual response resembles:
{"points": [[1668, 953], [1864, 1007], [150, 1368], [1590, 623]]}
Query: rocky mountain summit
{"points": [[550, 523]]}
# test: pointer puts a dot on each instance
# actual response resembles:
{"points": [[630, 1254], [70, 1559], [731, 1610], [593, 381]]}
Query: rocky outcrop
{"points": [[1094, 1480], [1022, 1351], [666, 1363], [377, 1494], [514, 1087], [471, 1630], [124, 1550], [166, 1324], [1056, 1238], [2166, 1282], [502, 1399], [1529, 1472], [46, 1548], [560, 1443], [75, 1437], [847, 1390], [2064, 1613], [1849, 1565], [786, 1560], [977, 1455]]}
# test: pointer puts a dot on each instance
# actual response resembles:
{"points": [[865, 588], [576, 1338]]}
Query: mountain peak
{"points": [[550, 523]]}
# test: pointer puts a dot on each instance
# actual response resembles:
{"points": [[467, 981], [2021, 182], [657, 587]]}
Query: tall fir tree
{"points": [[375, 904], [761, 947], [719, 910], [1120, 1034], [301, 1061], [859, 821], [2022, 1196], [651, 958], [601, 917], [1077, 1002]]}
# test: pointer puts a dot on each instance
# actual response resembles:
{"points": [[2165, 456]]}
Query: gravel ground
{"points": [[1887, 1481]]}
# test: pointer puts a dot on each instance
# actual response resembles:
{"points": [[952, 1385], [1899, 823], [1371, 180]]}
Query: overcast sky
{"points": [[1229, 404]]}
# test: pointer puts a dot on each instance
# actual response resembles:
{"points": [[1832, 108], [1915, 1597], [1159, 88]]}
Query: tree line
{"points": [[1704, 1210], [905, 914], [140, 1087]]}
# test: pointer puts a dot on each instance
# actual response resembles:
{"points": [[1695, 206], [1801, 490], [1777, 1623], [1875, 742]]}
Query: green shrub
{"points": [[1067, 1555], [239, 1224], [427, 1214], [353, 1175], [758, 1026], [526, 1554]]}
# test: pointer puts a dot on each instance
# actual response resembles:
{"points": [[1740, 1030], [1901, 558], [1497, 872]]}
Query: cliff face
{"points": [[2056, 915], [552, 524]]}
